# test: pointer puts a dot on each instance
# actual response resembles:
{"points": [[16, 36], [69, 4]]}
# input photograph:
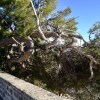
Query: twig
{"points": [[91, 95], [16, 41]]}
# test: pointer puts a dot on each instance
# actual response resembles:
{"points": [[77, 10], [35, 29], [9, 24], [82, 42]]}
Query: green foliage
{"points": [[95, 27], [94, 45], [59, 20], [20, 14], [93, 48], [17, 15]]}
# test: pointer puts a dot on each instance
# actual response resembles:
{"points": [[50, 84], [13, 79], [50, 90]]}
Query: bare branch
{"points": [[92, 61], [24, 57], [69, 45], [52, 43], [90, 93], [73, 40], [79, 36], [16, 41], [7, 41], [38, 22], [50, 34], [27, 54]]}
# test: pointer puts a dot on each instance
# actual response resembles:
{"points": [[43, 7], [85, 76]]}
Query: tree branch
{"points": [[92, 61], [27, 54], [7, 41], [38, 22], [16, 41]]}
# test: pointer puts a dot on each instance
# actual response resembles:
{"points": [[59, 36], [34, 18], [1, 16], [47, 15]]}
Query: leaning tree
{"points": [[30, 26]]}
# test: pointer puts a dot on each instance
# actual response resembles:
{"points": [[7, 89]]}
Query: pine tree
{"points": [[25, 50]]}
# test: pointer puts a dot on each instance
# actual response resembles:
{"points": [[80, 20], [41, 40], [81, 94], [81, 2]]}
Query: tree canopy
{"points": [[38, 44]]}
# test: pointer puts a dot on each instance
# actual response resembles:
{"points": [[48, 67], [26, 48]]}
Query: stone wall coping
{"points": [[33, 91]]}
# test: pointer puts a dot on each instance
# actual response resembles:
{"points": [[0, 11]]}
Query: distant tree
{"points": [[94, 44], [93, 48]]}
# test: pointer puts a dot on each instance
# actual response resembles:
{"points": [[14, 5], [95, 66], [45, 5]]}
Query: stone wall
{"points": [[12, 88]]}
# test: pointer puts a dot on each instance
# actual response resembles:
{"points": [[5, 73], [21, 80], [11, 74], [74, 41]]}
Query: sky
{"points": [[87, 10]]}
